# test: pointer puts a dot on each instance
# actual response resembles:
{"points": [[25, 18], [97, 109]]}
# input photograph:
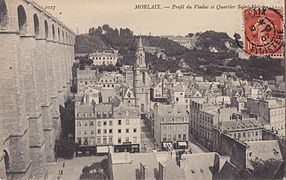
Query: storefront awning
{"points": [[102, 149], [182, 144], [166, 144]]}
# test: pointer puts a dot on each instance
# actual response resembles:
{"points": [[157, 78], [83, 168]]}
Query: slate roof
{"points": [[263, 150], [200, 166], [245, 124], [169, 110], [127, 165]]}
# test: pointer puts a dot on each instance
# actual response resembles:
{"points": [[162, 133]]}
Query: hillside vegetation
{"points": [[199, 60]]}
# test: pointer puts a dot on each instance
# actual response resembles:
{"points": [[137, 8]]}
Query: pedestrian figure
{"points": [[64, 164]]}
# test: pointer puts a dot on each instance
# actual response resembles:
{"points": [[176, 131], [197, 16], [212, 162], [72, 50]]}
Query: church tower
{"points": [[141, 80]]}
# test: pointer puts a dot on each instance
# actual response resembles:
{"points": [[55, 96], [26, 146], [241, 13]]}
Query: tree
{"points": [[91, 30], [96, 171], [106, 27], [66, 148], [190, 35]]}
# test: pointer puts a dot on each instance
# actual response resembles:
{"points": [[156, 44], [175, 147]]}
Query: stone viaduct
{"points": [[36, 56]]}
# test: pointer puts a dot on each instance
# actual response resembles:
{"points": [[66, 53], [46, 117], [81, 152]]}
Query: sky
{"points": [[80, 15]]}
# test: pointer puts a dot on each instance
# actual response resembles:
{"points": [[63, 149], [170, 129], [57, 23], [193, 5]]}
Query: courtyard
{"points": [[71, 168]]}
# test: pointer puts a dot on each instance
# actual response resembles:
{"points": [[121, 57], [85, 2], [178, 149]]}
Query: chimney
{"points": [[162, 170], [142, 171]]}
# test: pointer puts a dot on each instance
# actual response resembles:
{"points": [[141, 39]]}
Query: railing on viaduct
{"points": [[36, 55]]}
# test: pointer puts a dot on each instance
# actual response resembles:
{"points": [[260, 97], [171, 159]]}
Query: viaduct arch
{"points": [[35, 76]]}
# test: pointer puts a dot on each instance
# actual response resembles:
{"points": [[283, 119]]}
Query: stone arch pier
{"points": [[36, 55]]}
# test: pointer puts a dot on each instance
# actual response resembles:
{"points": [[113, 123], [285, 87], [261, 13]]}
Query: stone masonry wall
{"points": [[35, 74]]}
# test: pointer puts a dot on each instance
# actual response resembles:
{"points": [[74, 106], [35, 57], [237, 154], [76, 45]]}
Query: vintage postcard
{"points": [[142, 90]]}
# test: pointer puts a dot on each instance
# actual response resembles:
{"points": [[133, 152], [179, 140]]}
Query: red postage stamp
{"points": [[263, 29]]}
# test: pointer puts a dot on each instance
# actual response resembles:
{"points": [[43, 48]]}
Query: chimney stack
{"points": [[162, 170], [143, 167]]}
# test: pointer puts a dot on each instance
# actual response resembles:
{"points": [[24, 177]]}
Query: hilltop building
{"points": [[103, 58]]}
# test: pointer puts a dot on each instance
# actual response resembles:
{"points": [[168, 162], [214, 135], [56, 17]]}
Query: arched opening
{"points": [[59, 34], [143, 78], [63, 34], [142, 108], [36, 25], [46, 29], [53, 31], [3, 14], [22, 19], [6, 160]]}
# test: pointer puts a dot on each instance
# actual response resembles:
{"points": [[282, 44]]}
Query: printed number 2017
{"points": [[50, 7]]}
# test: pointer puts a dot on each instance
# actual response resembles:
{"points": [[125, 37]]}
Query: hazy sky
{"points": [[82, 14]]}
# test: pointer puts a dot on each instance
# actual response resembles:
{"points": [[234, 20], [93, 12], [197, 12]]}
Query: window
{"points": [[179, 136], [110, 123], [119, 122], [126, 139], [169, 137], [174, 137], [134, 130], [184, 137], [110, 130], [99, 123], [164, 137], [119, 130], [91, 123], [119, 140], [127, 121], [78, 123], [85, 141], [99, 131], [134, 139], [85, 132], [92, 132], [104, 131], [127, 130], [86, 124], [243, 134], [248, 134], [177, 99], [104, 140], [98, 139], [79, 141], [110, 139], [104, 123]]}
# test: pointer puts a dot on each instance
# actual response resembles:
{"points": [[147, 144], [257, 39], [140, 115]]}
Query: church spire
{"points": [[140, 45], [140, 55]]}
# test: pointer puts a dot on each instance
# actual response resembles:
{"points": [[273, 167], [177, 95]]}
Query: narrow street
{"points": [[196, 147], [146, 138]]}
